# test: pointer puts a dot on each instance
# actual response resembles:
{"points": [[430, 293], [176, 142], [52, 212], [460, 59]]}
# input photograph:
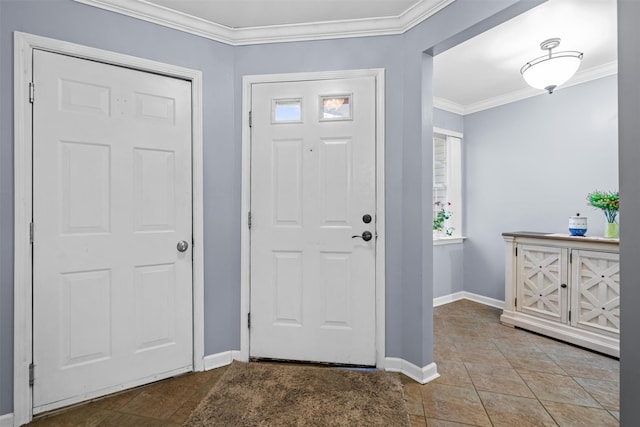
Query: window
{"points": [[447, 179]]}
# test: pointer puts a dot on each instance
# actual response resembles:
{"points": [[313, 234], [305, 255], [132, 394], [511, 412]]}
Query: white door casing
{"points": [[112, 197], [313, 178]]}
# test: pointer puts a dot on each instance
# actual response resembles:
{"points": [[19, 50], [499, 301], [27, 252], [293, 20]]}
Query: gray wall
{"points": [[448, 272], [529, 165], [408, 164], [447, 120], [629, 129]]}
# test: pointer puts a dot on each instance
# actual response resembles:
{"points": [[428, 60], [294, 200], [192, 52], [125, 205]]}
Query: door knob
{"points": [[182, 246], [366, 219], [366, 236]]}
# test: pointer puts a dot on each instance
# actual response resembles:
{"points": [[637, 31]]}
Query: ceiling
{"points": [[242, 22], [481, 73], [261, 13], [484, 72]]}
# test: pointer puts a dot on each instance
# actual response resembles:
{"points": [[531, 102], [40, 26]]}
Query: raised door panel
{"points": [[542, 273], [154, 190], [595, 288]]}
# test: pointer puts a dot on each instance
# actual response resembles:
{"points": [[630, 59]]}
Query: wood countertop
{"points": [[560, 236]]}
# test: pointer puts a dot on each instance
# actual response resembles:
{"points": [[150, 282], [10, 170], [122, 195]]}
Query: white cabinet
{"points": [[565, 287]]}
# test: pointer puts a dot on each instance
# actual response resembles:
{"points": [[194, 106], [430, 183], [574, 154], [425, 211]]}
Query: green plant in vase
{"points": [[441, 214], [609, 202]]}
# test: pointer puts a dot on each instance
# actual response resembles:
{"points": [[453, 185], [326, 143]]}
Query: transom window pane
{"points": [[287, 110], [335, 107]]}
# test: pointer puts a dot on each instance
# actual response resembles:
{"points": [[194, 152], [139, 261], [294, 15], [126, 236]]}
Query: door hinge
{"points": [[250, 118], [569, 315], [249, 220], [248, 320], [31, 232], [516, 251], [31, 92], [516, 303], [571, 258], [31, 374]]}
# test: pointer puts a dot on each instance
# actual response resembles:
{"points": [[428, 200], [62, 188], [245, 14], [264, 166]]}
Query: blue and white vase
{"points": [[577, 225]]}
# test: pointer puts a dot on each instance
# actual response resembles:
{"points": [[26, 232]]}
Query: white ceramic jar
{"points": [[577, 225]]}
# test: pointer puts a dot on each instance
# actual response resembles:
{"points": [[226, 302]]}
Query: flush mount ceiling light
{"points": [[550, 71]]}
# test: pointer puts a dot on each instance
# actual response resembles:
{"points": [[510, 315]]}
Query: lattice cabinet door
{"points": [[595, 294], [541, 286]]}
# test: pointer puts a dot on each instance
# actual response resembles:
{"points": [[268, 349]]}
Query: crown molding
{"points": [[583, 76], [447, 105], [391, 25]]}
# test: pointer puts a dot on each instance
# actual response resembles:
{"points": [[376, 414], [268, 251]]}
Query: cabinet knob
{"points": [[564, 285]]}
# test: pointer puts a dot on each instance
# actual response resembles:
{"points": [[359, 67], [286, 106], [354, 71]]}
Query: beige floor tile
{"points": [[129, 420], [446, 353], [484, 357], [511, 345], [476, 343], [152, 405], [116, 401], [182, 413], [441, 423], [585, 364], [450, 403], [84, 416], [413, 398], [515, 411], [579, 416], [607, 393], [416, 421], [557, 388], [616, 414], [498, 379], [532, 361], [453, 373]]}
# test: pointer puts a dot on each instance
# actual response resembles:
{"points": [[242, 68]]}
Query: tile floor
{"points": [[494, 375], [490, 375]]}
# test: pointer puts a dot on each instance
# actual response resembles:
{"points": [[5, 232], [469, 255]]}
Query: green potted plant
{"points": [[441, 214], [609, 202]]}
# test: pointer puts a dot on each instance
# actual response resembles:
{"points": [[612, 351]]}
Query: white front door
{"points": [[312, 198], [112, 295]]}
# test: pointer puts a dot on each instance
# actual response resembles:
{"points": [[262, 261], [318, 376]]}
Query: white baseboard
{"points": [[6, 420], [422, 375], [219, 360], [446, 299]]}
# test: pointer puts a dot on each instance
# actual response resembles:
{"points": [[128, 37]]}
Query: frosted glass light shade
{"points": [[550, 71]]}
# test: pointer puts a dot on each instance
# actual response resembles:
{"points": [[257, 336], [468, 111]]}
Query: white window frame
{"points": [[453, 185]]}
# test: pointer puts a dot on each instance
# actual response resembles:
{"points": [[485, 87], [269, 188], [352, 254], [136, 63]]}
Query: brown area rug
{"points": [[271, 394]]}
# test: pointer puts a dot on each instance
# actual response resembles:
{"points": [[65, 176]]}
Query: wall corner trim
{"points": [[218, 360], [422, 375], [6, 420]]}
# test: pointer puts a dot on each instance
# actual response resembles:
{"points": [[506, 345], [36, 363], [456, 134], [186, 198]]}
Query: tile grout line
{"points": [[527, 384]]}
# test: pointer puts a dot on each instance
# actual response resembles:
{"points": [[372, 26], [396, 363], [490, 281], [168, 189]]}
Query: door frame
{"points": [[24, 44], [245, 235]]}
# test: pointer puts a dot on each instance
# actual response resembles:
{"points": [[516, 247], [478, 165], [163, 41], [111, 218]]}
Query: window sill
{"points": [[448, 240]]}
